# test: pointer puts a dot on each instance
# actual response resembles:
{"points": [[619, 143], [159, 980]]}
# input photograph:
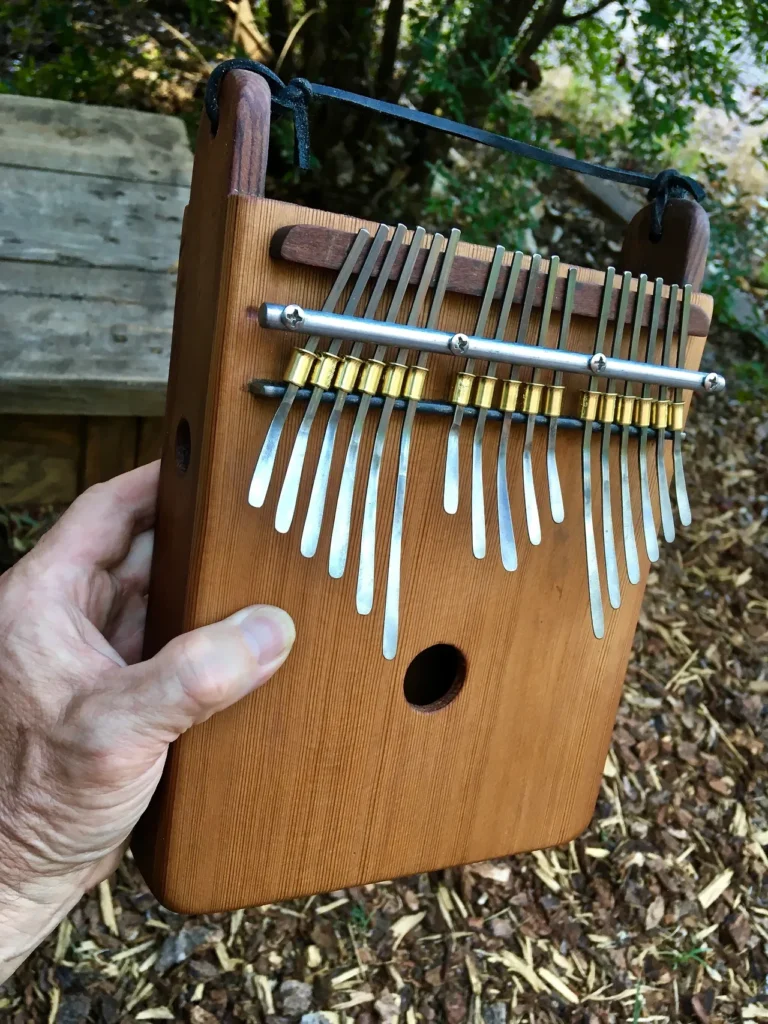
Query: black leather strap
{"points": [[296, 95]]}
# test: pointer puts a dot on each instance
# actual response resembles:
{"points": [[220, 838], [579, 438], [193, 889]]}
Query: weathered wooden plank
{"points": [[80, 397], [91, 207], [152, 291], [49, 217], [110, 448], [126, 144], [39, 459], [79, 340]]}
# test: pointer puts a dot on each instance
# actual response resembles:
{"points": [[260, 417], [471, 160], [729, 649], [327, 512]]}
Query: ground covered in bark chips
{"points": [[658, 913]]}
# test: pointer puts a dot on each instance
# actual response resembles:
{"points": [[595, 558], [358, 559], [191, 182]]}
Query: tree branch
{"points": [[389, 43], [572, 19], [544, 23], [279, 23]]}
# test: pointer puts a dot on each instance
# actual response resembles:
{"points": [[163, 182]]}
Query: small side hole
{"points": [[183, 446], [434, 677]]}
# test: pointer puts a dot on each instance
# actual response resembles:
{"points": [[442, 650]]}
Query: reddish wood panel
{"points": [[328, 777], [681, 256], [313, 245], [232, 162], [329, 761]]}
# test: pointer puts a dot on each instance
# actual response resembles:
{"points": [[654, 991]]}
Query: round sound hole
{"points": [[434, 677], [183, 446]]}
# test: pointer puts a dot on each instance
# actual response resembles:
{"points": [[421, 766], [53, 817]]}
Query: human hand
{"points": [[85, 725]]}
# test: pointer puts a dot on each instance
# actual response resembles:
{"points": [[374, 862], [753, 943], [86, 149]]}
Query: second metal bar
{"points": [[383, 332]]}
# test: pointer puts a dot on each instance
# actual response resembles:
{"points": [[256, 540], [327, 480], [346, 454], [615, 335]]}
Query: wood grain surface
{"points": [[84, 340], [91, 204], [231, 163], [96, 222], [110, 448], [318, 246], [49, 460], [40, 459], [681, 255], [327, 777], [130, 145]]}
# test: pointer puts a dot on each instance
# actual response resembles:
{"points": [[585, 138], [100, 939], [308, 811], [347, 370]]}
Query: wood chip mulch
{"points": [[658, 913]]}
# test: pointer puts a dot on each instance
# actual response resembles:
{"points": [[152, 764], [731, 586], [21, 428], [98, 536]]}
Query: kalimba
{"points": [[438, 458]]}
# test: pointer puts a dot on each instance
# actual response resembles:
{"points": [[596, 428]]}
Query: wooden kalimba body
{"points": [[469, 715]]}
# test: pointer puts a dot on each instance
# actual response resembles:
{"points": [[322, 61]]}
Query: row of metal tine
{"points": [[399, 380]]}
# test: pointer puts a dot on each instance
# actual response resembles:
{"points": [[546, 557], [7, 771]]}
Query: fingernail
{"points": [[269, 632]]}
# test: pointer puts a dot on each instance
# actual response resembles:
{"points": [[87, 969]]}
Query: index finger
{"points": [[99, 526]]}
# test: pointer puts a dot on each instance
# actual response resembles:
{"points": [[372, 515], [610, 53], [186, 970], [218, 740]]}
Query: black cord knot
{"points": [[293, 96], [669, 184]]}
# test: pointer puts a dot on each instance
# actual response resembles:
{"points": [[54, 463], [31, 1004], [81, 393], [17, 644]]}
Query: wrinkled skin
{"points": [[84, 723]]}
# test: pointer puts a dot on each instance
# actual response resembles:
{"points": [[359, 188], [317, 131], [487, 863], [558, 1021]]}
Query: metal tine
{"points": [[681, 491], [286, 504], [649, 526], [506, 530], [262, 474], [627, 520], [665, 502], [392, 602], [609, 541], [553, 477], [504, 511], [342, 521], [589, 413], [310, 537], [367, 565], [478, 490], [532, 396], [451, 485]]}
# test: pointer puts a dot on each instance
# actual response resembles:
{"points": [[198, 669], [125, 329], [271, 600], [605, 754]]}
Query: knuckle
{"points": [[97, 500], [97, 492], [88, 752], [203, 676]]}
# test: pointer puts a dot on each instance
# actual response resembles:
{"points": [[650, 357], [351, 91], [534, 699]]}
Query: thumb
{"points": [[205, 671]]}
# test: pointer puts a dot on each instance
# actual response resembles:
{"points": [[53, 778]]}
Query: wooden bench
{"points": [[91, 205]]}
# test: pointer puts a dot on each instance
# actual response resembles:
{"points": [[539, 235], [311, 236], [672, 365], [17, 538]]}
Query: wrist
{"points": [[23, 926], [29, 913]]}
